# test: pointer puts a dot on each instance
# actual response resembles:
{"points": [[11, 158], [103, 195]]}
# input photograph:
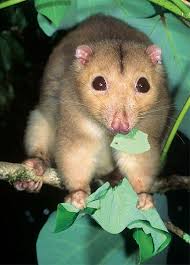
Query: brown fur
{"points": [[74, 120]]}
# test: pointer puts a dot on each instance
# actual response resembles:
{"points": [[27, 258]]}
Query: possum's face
{"points": [[119, 83]]}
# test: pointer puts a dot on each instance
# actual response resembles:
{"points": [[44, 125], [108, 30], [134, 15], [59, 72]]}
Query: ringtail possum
{"points": [[103, 78]]}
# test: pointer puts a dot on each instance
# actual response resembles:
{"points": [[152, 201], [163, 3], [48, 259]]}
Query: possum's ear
{"points": [[155, 54], [83, 53]]}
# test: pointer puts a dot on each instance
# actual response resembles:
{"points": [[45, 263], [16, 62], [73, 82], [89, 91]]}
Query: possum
{"points": [[103, 78]]}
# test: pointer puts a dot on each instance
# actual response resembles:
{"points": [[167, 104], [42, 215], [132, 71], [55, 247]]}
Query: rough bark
{"points": [[14, 172]]}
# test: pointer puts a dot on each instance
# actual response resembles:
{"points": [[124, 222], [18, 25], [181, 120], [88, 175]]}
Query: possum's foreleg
{"points": [[141, 170], [76, 162], [39, 139]]}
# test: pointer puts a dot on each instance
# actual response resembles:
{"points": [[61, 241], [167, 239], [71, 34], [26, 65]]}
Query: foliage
{"points": [[164, 28], [135, 142], [114, 209], [83, 243], [11, 55]]}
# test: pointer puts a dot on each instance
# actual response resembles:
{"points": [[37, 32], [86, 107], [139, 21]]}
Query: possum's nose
{"points": [[120, 124]]}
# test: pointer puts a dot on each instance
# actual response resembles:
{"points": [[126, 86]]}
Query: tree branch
{"points": [[12, 172], [177, 231], [172, 182]]}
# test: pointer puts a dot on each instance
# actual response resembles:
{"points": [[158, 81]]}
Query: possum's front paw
{"points": [[39, 167], [77, 198], [29, 186], [145, 201]]}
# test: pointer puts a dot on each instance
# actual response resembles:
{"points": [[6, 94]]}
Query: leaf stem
{"points": [[177, 123], [10, 3]]}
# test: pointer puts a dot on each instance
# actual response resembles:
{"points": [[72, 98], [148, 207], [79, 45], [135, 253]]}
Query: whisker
{"points": [[162, 101], [155, 110], [177, 134], [172, 106], [98, 99], [158, 115], [167, 126]]}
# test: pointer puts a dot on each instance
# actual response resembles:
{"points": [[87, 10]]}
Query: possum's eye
{"points": [[99, 83], [142, 85]]}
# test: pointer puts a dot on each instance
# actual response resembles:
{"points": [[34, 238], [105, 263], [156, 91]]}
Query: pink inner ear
{"points": [[83, 53], [155, 54]]}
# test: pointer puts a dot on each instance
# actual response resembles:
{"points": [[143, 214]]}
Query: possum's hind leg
{"points": [[39, 138]]}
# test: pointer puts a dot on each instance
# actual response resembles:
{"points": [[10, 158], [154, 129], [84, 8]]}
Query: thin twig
{"points": [[172, 182], [177, 231]]}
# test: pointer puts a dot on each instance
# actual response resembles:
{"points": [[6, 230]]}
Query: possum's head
{"points": [[119, 83]]}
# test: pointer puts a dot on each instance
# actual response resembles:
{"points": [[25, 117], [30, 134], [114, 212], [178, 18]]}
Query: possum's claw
{"points": [[39, 167], [145, 201], [29, 186], [77, 199]]}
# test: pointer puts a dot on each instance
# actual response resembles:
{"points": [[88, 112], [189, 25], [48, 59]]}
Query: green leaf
{"points": [[114, 209], [66, 215], [118, 210], [186, 237], [157, 241], [135, 142], [98, 194], [66, 13], [177, 7], [10, 3], [53, 10], [46, 25], [113, 204], [83, 243], [142, 240]]}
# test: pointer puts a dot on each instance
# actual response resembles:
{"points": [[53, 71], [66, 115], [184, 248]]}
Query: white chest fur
{"points": [[103, 158]]}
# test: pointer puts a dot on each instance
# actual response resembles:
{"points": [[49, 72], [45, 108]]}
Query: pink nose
{"points": [[120, 126]]}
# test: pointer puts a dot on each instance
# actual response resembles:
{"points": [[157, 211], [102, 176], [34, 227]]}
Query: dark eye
{"points": [[99, 83], [142, 85]]}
